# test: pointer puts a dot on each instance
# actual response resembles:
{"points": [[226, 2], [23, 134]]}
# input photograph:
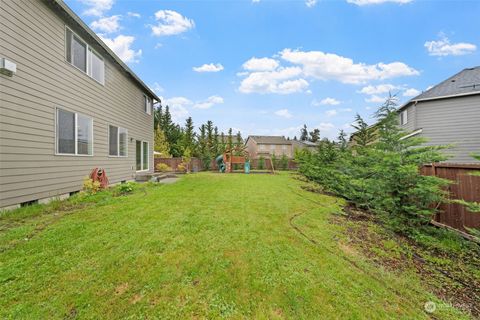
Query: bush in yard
{"points": [[182, 167], [381, 176], [163, 167], [261, 163], [90, 187], [284, 162], [126, 188]]}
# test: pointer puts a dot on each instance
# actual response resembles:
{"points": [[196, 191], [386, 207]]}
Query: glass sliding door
{"points": [[142, 153], [139, 155]]}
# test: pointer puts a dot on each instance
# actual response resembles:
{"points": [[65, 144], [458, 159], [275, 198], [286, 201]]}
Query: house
{"points": [[300, 145], [68, 104], [267, 146], [448, 114]]}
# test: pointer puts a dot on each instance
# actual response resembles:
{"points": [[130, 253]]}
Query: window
{"points": [[272, 147], [74, 133], [117, 141], [147, 104], [82, 56], [141, 158], [261, 146], [403, 117]]}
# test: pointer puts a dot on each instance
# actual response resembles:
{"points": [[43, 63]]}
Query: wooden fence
{"points": [[464, 186], [197, 165]]}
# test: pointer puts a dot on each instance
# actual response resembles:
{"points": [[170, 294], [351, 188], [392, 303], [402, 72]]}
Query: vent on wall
{"points": [[7, 67]]}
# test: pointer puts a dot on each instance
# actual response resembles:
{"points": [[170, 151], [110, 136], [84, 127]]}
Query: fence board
{"points": [[464, 186]]}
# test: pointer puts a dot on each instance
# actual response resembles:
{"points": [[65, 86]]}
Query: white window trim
{"points": [[141, 158], [404, 117], [148, 108], [76, 135], [118, 141], [87, 66], [414, 133]]}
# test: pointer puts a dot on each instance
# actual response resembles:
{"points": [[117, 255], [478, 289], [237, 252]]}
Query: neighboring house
{"points": [[299, 144], [70, 106], [448, 113], [267, 146]]}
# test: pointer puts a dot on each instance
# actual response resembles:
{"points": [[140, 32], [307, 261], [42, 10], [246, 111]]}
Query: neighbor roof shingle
{"points": [[270, 139]]}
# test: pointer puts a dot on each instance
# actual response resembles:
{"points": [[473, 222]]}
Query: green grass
{"points": [[208, 246]]}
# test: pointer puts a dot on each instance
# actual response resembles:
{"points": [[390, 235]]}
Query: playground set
{"points": [[236, 155]]}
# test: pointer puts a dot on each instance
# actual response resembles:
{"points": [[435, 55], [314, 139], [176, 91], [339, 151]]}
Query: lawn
{"points": [[208, 246]]}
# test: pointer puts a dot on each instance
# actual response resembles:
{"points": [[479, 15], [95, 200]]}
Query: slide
{"points": [[220, 163]]}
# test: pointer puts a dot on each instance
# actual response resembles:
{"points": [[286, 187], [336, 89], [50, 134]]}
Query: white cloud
{"points": [[443, 47], [121, 45], [326, 102], [411, 92], [260, 64], [255, 1], [133, 14], [157, 88], [325, 127], [381, 88], [331, 113], [310, 3], [370, 2], [209, 102], [376, 99], [107, 24], [158, 45], [177, 106], [346, 110], [97, 7], [209, 68], [283, 113], [277, 81], [170, 23], [325, 66]]}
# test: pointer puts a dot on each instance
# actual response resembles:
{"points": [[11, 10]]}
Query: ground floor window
{"points": [[117, 141], [141, 150], [74, 133]]}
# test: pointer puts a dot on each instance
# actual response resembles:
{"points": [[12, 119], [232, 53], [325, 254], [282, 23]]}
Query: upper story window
{"points": [[261, 146], [74, 133], [404, 117], [83, 57], [272, 147], [284, 147], [147, 104], [117, 141]]}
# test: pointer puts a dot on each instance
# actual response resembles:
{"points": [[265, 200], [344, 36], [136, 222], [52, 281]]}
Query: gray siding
{"points": [[452, 121], [33, 36], [411, 123]]}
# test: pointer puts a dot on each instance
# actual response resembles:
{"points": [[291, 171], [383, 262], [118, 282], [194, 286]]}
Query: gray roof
{"points": [[465, 82], [269, 139], [305, 143], [68, 13]]}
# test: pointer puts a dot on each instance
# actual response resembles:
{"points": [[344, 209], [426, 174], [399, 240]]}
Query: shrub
{"points": [[182, 167], [90, 187], [163, 167], [261, 163], [126, 188], [381, 176], [284, 162]]}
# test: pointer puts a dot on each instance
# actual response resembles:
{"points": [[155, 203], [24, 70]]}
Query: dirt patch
{"points": [[450, 276], [136, 298], [121, 289]]}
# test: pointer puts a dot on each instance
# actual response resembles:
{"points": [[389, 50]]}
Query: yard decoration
{"points": [[101, 176]]}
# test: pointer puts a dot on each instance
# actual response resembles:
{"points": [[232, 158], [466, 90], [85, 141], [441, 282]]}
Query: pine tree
{"points": [[364, 135], [304, 133], [161, 144], [188, 140], [342, 140], [230, 139], [315, 135]]}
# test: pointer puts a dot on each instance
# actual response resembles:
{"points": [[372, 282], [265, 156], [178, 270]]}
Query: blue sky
{"points": [[268, 67]]}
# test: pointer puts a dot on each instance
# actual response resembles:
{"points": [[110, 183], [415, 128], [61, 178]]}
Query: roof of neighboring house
{"points": [[466, 82], [61, 7], [305, 143], [269, 139]]}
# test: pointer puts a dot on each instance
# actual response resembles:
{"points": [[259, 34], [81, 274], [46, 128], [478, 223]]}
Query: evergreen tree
{"points": [[364, 135], [304, 133], [238, 139], [342, 140], [188, 140], [161, 144], [315, 135], [230, 139]]}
